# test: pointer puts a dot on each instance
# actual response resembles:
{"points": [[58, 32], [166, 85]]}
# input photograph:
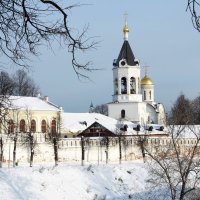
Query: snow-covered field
{"points": [[73, 182]]}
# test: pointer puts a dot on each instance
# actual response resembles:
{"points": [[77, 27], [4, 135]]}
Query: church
{"points": [[133, 103], [133, 97]]}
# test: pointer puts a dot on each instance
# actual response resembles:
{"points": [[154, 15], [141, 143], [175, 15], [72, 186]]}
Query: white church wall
{"points": [[135, 112], [153, 115], [131, 111], [161, 114]]}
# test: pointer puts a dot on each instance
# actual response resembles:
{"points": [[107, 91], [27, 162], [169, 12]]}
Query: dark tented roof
{"points": [[126, 53]]}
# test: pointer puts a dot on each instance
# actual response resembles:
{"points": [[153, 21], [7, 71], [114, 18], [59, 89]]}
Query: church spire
{"points": [[126, 52], [91, 108], [126, 29]]}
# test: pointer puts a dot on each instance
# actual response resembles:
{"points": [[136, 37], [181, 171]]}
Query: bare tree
{"points": [[29, 129], [6, 84], [196, 109], [15, 134], [20, 84], [102, 109], [5, 105], [24, 84], [193, 6], [25, 25], [56, 137], [181, 112], [175, 166]]}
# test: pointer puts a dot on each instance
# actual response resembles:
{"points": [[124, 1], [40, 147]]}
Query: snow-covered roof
{"points": [[77, 122], [185, 131], [31, 103]]}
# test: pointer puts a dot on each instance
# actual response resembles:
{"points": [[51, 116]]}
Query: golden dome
{"points": [[146, 81], [125, 29]]}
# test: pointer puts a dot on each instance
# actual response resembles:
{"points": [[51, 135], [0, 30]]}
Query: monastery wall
{"points": [[70, 151]]}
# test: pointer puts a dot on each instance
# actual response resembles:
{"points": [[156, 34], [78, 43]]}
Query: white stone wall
{"points": [[70, 150]]}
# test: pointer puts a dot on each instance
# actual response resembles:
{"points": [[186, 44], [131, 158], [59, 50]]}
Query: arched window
{"points": [[138, 84], [44, 126], [10, 126], [123, 113], [116, 86], [53, 127], [132, 85], [123, 85], [22, 126], [149, 119], [145, 95], [150, 95], [33, 126]]}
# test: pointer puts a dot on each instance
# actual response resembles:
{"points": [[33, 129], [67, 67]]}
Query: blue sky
{"points": [[161, 36]]}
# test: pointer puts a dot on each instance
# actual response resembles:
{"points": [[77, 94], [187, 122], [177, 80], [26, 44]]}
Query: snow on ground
{"points": [[74, 182]]}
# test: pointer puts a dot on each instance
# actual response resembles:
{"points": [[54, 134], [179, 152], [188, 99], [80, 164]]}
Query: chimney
{"points": [[46, 98]]}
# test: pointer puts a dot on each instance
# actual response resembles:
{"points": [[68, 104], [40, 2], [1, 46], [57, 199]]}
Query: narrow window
{"points": [[150, 95], [145, 95], [33, 126], [123, 113], [116, 86], [138, 84], [22, 125], [132, 85], [44, 126], [53, 127], [10, 126], [123, 85]]}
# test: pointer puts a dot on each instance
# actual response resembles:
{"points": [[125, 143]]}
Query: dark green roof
{"points": [[126, 53]]}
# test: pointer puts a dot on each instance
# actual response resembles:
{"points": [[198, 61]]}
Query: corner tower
{"points": [[126, 73]]}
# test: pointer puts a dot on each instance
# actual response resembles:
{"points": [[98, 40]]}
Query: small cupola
{"points": [[147, 88], [147, 81]]}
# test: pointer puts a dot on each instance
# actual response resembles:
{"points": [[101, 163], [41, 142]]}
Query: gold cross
{"points": [[125, 17], [146, 69]]}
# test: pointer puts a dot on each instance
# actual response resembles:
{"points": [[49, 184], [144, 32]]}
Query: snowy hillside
{"points": [[73, 182]]}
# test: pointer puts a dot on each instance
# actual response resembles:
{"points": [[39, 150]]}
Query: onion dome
{"points": [[125, 29], [146, 81]]}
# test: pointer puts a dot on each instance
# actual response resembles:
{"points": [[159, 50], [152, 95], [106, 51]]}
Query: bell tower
{"points": [[133, 98], [126, 73]]}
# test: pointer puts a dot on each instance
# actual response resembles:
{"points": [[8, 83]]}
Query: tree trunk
{"points": [[14, 151], [82, 151], [32, 150], [55, 145], [31, 158], [107, 147], [120, 150], [1, 152], [182, 193]]}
